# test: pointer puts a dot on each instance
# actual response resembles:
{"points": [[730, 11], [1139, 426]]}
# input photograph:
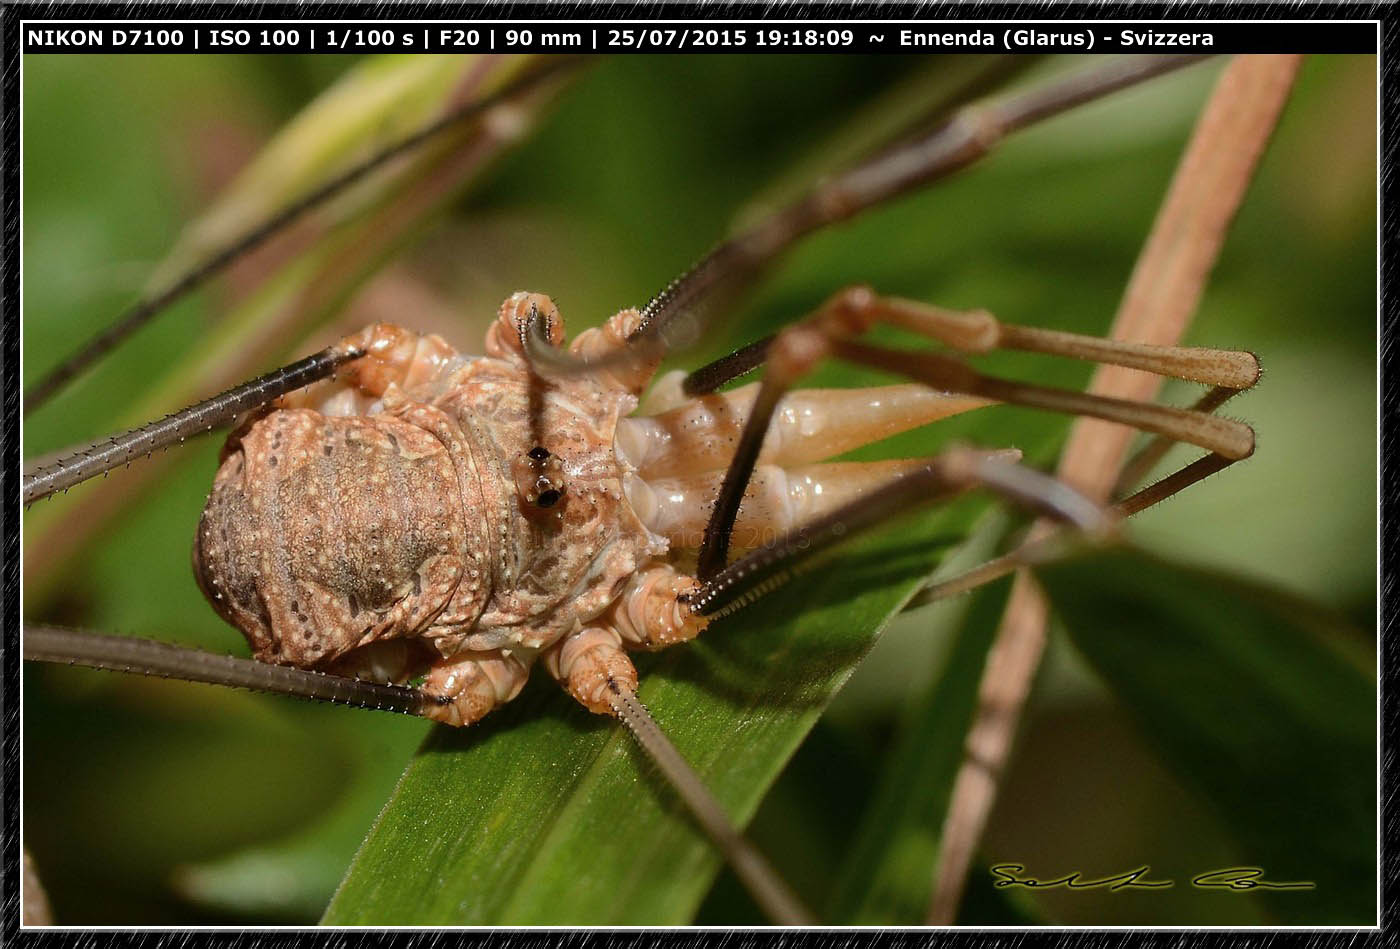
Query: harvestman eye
{"points": [[540, 478]]}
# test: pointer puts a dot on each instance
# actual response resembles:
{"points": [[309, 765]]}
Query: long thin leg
{"points": [[1032, 550], [714, 545], [1144, 461], [671, 319], [742, 361], [375, 357], [1198, 470], [78, 464], [795, 351], [967, 136], [955, 470], [143, 310], [148, 657], [593, 667], [778, 902]]}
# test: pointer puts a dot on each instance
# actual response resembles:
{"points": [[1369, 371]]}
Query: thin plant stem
{"points": [[142, 311], [1161, 297]]}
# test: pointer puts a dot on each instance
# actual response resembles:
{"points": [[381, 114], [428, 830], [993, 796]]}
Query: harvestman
{"points": [[427, 514]]}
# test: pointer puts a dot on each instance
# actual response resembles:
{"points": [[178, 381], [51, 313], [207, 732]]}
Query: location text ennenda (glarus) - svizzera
{"points": [[1086, 39]]}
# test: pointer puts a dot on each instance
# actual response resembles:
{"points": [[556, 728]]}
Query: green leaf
{"points": [[545, 814], [1264, 704], [888, 876]]}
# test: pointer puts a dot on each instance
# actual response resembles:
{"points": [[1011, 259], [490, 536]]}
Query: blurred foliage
{"points": [[159, 802], [1263, 703]]}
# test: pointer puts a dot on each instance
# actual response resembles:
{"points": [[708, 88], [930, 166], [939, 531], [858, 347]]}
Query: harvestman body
{"points": [[465, 517], [431, 512], [413, 517]]}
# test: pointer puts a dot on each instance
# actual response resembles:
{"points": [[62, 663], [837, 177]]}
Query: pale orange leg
{"points": [[416, 364], [470, 684], [649, 613], [831, 332]]}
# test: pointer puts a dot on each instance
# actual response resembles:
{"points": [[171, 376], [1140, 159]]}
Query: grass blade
{"points": [[885, 880]]}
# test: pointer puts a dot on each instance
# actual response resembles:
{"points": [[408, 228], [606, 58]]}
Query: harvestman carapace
{"points": [[424, 513]]}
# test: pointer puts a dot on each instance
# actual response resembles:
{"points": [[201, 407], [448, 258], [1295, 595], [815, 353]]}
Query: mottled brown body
{"points": [[403, 540], [464, 517]]}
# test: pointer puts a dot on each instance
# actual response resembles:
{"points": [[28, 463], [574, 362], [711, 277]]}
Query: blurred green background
{"points": [[148, 801]]}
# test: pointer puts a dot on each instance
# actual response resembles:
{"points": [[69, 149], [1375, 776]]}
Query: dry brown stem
{"points": [[1160, 299]]}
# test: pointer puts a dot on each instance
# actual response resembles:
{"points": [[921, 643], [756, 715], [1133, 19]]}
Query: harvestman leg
{"points": [[141, 312], [670, 319], [77, 464], [831, 332]]}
